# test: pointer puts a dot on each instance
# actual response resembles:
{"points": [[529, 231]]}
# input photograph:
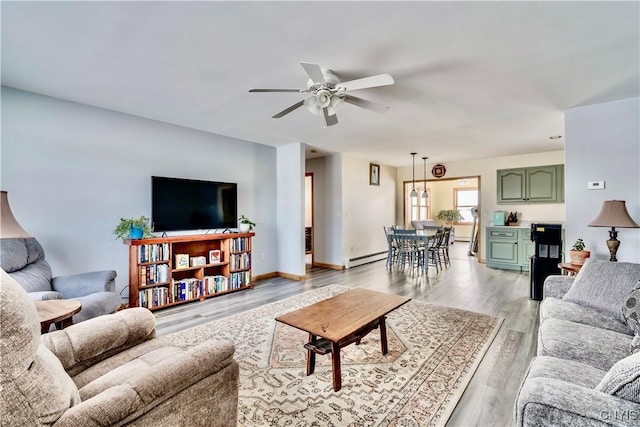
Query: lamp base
{"points": [[613, 243]]}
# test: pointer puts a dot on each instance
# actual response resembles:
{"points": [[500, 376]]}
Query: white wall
{"points": [[603, 144], [71, 171], [486, 170], [290, 218], [366, 208]]}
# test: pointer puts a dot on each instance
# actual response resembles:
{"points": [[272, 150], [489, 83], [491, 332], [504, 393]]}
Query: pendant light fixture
{"points": [[424, 193], [414, 193]]}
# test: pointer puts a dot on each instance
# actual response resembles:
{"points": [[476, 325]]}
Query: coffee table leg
{"points": [[335, 366], [311, 357], [383, 335]]}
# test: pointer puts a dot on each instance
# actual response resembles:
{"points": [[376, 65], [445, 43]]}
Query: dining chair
{"points": [[392, 251], [444, 247], [435, 256], [410, 250]]}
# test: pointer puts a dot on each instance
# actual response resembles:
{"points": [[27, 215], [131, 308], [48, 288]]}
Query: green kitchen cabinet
{"points": [[539, 184]]}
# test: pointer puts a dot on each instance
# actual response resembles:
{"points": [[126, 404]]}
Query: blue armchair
{"points": [[24, 260]]}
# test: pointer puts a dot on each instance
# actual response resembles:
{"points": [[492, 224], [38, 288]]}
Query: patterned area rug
{"points": [[433, 353]]}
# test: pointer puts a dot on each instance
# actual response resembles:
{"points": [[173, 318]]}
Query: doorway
{"points": [[461, 194], [308, 218]]}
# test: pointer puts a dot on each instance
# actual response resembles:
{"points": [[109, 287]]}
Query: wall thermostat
{"points": [[595, 185]]}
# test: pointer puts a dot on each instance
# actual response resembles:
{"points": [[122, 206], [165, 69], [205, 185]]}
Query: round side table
{"points": [[58, 311], [569, 269]]}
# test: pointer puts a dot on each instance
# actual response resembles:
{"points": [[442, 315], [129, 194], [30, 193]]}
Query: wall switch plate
{"points": [[595, 185]]}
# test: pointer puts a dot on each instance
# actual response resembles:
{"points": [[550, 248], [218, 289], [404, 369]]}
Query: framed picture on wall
{"points": [[374, 174]]}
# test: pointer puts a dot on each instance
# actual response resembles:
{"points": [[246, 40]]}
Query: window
{"points": [[416, 208], [465, 199]]}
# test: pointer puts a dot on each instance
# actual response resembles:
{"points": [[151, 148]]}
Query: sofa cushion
{"points": [[596, 347], [604, 285], [555, 308], [623, 379], [631, 308]]}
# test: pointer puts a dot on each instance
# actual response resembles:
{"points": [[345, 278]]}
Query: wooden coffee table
{"points": [[58, 311], [341, 320]]}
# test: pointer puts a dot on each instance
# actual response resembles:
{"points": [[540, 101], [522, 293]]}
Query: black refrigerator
{"points": [[548, 244]]}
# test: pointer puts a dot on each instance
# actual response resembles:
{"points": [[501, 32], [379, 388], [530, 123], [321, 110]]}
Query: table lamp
{"points": [[9, 227], [613, 214]]}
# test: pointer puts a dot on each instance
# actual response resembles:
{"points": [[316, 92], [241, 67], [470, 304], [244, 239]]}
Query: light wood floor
{"points": [[490, 396]]}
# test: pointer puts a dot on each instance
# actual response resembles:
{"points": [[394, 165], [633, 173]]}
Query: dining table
{"points": [[406, 240]]}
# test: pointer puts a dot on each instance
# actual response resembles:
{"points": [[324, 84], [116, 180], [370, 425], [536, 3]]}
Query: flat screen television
{"points": [[188, 204]]}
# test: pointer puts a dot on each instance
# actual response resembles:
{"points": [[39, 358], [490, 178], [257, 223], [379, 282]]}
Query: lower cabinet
{"points": [[509, 248]]}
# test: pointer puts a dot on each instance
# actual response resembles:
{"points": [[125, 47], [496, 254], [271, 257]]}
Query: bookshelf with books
{"points": [[166, 271]]}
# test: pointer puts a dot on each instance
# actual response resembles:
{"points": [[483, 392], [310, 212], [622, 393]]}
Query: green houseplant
{"points": [[578, 254], [245, 224], [133, 228], [449, 216]]}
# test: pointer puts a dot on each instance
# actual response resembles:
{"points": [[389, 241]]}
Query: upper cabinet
{"points": [[539, 184]]}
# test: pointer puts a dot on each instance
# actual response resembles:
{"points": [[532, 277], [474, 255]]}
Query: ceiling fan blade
{"points": [[314, 71], [289, 109], [329, 120], [278, 90], [369, 105], [367, 82]]}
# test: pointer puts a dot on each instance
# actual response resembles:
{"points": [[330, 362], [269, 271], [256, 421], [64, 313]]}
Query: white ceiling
{"points": [[473, 79]]}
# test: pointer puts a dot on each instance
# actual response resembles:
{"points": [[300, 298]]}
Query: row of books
{"points": [[154, 273], [240, 261], [153, 253], [239, 244], [240, 279], [153, 297], [192, 288], [215, 284]]}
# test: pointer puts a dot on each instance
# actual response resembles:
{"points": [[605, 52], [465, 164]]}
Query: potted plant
{"points": [[133, 228], [245, 224], [449, 216], [578, 254]]}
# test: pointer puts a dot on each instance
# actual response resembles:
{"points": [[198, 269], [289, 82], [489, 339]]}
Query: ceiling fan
{"points": [[328, 93]]}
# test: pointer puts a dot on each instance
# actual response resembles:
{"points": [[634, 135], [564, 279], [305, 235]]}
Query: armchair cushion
{"points": [[97, 304], [44, 295], [24, 260], [35, 388], [96, 339], [77, 285], [604, 285]]}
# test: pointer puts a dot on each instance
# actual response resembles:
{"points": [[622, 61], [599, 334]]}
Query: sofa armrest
{"points": [[550, 401], [556, 286], [93, 340], [78, 285], [126, 396]]}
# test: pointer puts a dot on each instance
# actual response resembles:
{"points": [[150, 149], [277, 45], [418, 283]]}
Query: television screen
{"points": [[187, 204]]}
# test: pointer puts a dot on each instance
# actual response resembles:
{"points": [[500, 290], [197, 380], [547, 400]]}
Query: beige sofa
{"points": [[108, 371]]}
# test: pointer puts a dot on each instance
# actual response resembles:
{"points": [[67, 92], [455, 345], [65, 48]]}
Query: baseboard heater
{"points": [[366, 259]]}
